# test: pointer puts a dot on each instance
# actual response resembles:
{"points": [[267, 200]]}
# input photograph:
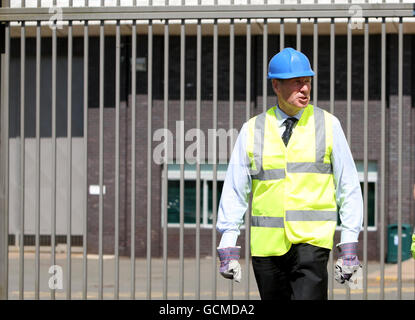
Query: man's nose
{"points": [[304, 87]]}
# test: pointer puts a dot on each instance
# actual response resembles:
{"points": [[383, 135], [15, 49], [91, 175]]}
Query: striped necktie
{"points": [[289, 125]]}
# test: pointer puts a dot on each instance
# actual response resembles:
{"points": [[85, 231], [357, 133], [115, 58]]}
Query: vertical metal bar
{"points": [[37, 160], [332, 97], [198, 103], [400, 106], [166, 155], [264, 66], [231, 77], [3, 172], [149, 129], [69, 146], [349, 83], [85, 222], [298, 45], [215, 102], [117, 162], [182, 98], [282, 32], [4, 222], [101, 160], [349, 98], [248, 69], [315, 62], [22, 158], [382, 161], [181, 150], [133, 136], [53, 169], [349, 94], [215, 151], [231, 104], [365, 156], [247, 116], [214, 154], [332, 70]]}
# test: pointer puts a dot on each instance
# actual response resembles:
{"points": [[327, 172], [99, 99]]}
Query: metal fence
{"points": [[123, 272]]}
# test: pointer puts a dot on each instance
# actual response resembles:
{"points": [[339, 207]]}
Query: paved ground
{"points": [[207, 276]]}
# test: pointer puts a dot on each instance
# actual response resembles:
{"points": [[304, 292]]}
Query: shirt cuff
{"points": [[341, 243], [228, 239], [347, 236]]}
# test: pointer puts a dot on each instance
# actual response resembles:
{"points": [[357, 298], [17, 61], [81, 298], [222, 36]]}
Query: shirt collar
{"points": [[282, 116]]}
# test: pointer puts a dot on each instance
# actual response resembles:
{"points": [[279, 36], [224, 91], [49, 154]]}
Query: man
{"points": [[299, 182]]}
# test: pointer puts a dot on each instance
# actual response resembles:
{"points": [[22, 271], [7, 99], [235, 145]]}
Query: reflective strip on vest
{"points": [[272, 174], [309, 167], [267, 222], [309, 215], [259, 147], [320, 125]]}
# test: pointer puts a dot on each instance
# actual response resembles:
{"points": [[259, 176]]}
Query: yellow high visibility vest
{"points": [[293, 191]]}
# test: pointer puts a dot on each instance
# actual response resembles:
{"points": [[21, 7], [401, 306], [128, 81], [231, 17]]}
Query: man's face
{"points": [[295, 92]]}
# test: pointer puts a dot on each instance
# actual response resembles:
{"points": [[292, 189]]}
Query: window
{"points": [[189, 206], [173, 202], [371, 194]]}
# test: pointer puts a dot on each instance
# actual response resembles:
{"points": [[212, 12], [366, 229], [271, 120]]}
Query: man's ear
{"points": [[275, 86]]}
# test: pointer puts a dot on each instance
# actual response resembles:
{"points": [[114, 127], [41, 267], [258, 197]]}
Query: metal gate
{"points": [[132, 260]]}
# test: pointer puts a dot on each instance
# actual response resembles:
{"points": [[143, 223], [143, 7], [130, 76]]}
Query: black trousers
{"points": [[300, 274]]}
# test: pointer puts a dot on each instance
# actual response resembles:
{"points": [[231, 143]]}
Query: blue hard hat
{"points": [[289, 63]]}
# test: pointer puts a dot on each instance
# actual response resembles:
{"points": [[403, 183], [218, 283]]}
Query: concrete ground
{"points": [[208, 277]]}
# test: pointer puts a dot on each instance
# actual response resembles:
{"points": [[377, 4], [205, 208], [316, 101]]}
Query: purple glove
{"points": [[348, 253], [348, 263], [229, 265]]}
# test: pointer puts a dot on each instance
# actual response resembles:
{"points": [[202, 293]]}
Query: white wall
{"points": [[78, 189]]}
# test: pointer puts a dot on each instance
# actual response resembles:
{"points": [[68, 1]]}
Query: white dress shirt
{"points": [[237, 186]]}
